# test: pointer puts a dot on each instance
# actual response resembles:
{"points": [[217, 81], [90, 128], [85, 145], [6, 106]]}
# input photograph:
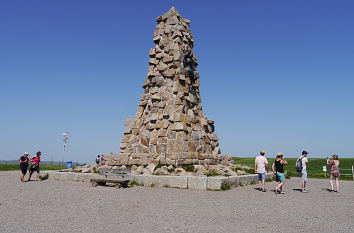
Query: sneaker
{"points": [[304, 191]]}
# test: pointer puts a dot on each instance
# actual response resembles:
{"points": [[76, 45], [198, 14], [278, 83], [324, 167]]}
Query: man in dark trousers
{"points": [[23, 165]]}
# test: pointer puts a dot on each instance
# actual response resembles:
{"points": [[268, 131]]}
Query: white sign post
{"points": [[65, 140], [324, 170]]}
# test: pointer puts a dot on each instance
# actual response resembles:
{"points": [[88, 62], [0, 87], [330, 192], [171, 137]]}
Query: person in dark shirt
{"points": [[279, 172], [23, 165]]}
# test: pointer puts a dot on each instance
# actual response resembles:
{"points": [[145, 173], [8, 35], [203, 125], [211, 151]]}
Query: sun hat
{"points": [[279, 154], [262, 152], [26, 153]]}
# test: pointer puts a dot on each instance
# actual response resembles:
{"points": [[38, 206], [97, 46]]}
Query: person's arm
{"points": [[273, 167], [283, 162], [255, 167], [20, 161]]}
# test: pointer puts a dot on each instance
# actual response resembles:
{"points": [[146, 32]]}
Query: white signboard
{"points": [[324, 168]]}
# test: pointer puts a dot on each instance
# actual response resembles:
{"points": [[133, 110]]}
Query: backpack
{"points": [[299, 164]]}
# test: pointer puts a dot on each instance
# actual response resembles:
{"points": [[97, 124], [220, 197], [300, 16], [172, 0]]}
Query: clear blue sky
{"points": [[275, 75]]}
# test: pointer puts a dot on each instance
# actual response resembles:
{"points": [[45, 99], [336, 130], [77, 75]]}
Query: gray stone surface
{"points": [[214, 183], [197, 183]]}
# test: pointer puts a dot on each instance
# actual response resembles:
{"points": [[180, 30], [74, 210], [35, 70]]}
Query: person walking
{"points": [[260, 166], [98, 159], [279, 172], [35, 165], [102, 158], [301, 166], [334, 172], [23, 165]]}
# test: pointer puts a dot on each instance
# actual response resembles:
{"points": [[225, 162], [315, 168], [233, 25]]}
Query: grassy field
{"points": [[314, 169], [13, 167]]}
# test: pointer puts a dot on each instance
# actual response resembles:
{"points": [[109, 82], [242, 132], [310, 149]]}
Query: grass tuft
{"points": [[212, 173], [188, 168], [225, 186]]}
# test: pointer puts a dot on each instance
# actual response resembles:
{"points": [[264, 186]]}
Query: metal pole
{"points": [[353, 171], [62, 161], [65, 138]]}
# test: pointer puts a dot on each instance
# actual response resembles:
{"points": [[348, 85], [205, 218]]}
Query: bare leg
{"points": [[23, 177], [260, 185], [38, 176], [263, 184], [303, 185], [29, 178], [280, 186], [337, 184], [331, 181]]}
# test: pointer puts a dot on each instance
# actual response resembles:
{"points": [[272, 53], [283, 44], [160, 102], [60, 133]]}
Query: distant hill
{"points": [[42, 162]]}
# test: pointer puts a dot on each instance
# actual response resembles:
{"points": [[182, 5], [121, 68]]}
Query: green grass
{"points": [[225, 186], [314, 169], [212, 173], [14, 167]]}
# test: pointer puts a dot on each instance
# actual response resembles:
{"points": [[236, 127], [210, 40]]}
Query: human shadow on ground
{"points": [[329, 190], [299, 190]]}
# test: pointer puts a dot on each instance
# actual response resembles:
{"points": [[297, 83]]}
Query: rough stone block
{"points": [[215, 183], [178, 182], [197, 183]]}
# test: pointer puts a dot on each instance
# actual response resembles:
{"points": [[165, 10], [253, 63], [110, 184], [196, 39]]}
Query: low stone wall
{"points": [[183, 182], [70, 176]]}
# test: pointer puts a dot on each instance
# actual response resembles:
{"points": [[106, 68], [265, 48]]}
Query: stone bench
{"points": [[118, 177]]}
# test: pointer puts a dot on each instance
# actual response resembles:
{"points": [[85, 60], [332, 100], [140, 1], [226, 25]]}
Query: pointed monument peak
{"points": [[172, 13]]}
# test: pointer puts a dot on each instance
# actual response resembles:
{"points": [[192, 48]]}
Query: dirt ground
{"points": [[59, 206]]}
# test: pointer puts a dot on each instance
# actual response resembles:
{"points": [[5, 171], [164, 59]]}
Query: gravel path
{"points": [[59, 206]]}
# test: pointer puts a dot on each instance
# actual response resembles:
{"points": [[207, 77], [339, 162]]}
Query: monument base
{"points": [[176, 159]]}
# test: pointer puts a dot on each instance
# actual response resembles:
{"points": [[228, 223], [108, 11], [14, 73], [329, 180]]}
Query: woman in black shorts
{"points": [[35, 165], [23, 165]]}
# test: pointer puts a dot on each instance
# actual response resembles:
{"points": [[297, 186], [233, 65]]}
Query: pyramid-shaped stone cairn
{"points": [[170, 126]]}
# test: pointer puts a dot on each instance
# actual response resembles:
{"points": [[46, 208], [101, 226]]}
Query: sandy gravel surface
{"points": [[59, 206]]}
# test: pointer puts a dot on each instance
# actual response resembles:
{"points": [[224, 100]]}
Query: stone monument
{"points": [[170, 126]]}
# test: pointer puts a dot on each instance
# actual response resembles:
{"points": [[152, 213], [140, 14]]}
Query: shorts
{"points": [[304, 175], [281, 176], [261, 176], [23, 170], [34, 168]]}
